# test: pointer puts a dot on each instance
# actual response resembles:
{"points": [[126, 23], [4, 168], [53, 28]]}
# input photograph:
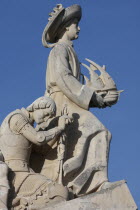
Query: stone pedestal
{"points": [[117, 196]]}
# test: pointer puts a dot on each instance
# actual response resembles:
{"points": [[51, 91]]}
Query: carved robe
{"points": [[87, 164]]}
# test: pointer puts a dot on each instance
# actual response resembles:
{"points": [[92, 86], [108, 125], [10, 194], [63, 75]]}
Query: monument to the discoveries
{"points": [[65, 157]]}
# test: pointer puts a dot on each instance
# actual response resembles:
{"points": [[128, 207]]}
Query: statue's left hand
{"points": [[64, 120], [111, 98]]}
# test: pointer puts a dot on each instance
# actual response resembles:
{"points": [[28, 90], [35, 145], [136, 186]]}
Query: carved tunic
{"points": [[64, 72]]}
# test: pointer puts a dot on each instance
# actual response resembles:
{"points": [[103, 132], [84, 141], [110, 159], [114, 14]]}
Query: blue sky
{"points": [[110, 35]]}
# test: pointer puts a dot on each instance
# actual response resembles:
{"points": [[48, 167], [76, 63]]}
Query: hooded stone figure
{"points": [[87, 140]]}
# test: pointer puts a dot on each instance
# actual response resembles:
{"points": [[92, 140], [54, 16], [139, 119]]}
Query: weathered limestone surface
{"points": [[86, 142], [116, 197], [69, 146]]}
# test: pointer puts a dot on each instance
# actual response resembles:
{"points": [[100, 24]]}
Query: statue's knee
{"points": [[57, 192]]}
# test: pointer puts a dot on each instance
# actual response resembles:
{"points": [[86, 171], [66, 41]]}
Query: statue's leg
{"points": [[101, 152], [76, 161], [89, 127], [95, 169]]}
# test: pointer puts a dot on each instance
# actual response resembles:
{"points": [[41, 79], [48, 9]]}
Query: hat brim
{"points": [[52, 27], [63, 16]]}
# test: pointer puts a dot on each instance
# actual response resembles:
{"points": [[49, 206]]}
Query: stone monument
{"points": [[65, 157]]}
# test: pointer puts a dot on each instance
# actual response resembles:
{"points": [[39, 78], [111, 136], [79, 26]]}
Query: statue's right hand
{"points": [[3, 169], [63, 121], [111, 98]]}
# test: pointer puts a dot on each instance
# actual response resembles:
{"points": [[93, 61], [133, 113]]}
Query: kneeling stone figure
{"points": [[28, 188]]}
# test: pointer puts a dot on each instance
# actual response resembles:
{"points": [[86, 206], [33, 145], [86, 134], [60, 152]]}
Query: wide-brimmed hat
{"points": [[58, 18]]}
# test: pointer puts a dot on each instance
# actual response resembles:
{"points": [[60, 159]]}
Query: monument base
{"points": [[117, 196]]}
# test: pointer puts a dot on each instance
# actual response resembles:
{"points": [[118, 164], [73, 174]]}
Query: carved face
{"points": [[73, 30], [42, 115]]}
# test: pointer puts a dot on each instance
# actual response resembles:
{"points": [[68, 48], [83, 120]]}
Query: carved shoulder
{"points": [[17, 122], [60, 49]]}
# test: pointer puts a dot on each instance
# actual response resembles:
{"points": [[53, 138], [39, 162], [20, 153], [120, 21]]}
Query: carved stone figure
{"points": [[87, 139], [17, 137], [42, 160]]}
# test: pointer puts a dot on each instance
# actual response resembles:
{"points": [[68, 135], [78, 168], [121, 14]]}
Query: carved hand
{"points": [[104, 99], [111, 98], [97, 100], [63, 121]]}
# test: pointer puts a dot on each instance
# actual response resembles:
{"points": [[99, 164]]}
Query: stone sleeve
{"points": [[67, 83], [39, 137], [52, 133]]}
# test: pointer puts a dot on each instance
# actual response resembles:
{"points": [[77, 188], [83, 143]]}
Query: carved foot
{"points": [[106, 185], [78, 183]]}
